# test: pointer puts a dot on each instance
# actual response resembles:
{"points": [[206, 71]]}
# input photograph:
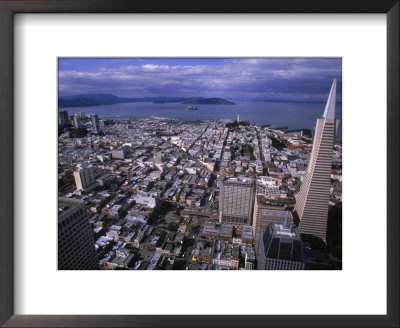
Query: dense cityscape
{"points": [[168, 194]]}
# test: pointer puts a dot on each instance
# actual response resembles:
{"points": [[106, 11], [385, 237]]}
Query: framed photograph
{"points": [[179, 142]]}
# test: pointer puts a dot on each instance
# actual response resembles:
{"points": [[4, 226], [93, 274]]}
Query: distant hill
{"points": [[78, 102], [163, 100], [208, 101], [86, 100]]}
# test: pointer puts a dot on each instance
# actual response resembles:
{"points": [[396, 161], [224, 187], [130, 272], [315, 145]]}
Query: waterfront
{"points": [[187, 168], [294, 115]]}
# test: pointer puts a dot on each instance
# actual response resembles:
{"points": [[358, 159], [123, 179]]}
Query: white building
{"points": [[84, 178], [149, 200]]}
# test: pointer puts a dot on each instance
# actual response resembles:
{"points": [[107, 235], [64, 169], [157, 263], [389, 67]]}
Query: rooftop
{"points": [[271, 202], [280, 230], [67, 204]]}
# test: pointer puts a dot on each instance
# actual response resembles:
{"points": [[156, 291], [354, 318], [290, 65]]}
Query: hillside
{"points": [[87, 100]]}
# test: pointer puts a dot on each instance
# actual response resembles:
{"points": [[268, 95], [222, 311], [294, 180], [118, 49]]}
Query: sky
{"points": [[277, 79]]}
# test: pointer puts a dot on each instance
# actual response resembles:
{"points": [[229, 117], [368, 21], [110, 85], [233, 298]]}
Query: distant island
{"points": [[87, 100], [190, 108]]}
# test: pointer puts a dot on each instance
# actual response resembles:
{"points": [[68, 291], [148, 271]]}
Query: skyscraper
{"points": [[77, 122], [267, 211], [84, 178], [236, 200], [120, 153], [63, 117], [281, 248], [95, 123], [311, 209], [76, 250]]}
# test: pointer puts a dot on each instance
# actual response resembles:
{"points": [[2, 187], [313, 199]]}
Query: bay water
{"points": [[294, 115]]}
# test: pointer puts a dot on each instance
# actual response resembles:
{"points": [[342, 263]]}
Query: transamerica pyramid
{"points": [[311, 207]]}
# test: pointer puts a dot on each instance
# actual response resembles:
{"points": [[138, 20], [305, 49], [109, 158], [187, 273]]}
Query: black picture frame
{"points": [[10, 7]]}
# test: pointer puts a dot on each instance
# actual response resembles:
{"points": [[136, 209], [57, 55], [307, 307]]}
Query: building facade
{"points": [[119, 153], [84, 178], [63, 117], [311, 209], [77, 122], [76, 250], [95, 123], [236, 200], [267, 211], [281, 248]]}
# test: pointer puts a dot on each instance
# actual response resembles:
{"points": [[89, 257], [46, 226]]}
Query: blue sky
{"points": [[230, 78]]}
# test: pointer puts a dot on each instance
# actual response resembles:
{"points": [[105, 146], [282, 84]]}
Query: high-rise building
{"points": [[267, 211], [63, 117], [76, 250], [236, 200], [95, 123], [120, 153], [280, 248], [77, 122], [311, 209], [84, 178]]}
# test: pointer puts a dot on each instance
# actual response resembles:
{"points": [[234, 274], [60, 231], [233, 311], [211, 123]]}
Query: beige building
{"points": [[267, 211], [311, 207], [84, 178]]}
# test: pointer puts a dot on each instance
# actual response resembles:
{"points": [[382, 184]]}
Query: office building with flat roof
{"points": [[63, 117], [76, 250], [281, 248], [84, 178], [267, 211], [236, 200], [77, 122], [95, 123], [119, 153]]}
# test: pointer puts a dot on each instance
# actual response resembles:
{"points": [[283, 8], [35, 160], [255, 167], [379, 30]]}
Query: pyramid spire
{"points": [[329, 113], [311, 209]]}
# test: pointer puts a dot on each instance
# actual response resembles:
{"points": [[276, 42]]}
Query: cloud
{"points": [[155, 67], [253, 78]]}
